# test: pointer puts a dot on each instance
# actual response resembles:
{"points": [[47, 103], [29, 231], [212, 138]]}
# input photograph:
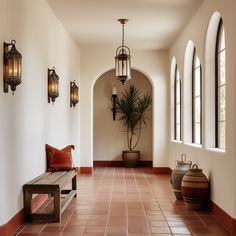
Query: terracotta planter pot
{"points": [[195, 189], [181, 168], [130, 158]]}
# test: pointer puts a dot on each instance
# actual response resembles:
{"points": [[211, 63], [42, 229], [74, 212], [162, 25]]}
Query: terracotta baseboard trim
{"points": [[13, 224], [119, 164], [162, 170], [234, 228], [16, 221], [86, 170], [223, 217]]}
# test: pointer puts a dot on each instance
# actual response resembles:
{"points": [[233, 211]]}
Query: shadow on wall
{"points": [[109, 137]]}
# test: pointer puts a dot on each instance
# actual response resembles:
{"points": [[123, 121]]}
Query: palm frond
{"points": [[133, 111]]}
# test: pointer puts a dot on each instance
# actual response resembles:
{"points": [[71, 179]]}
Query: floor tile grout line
{"points": [[142, 190], [150, 186], [67, 221], [71, 212], [109, 208], [35, 210], [126, 203], [138, 190], [216, 220], [99, 186]]}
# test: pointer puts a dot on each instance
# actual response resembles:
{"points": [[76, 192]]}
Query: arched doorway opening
{"points": [[109, 137]]}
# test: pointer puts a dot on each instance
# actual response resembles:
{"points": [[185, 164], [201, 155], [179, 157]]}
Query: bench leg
{"points": [[57, 205], [27, 205], [74, 184]]}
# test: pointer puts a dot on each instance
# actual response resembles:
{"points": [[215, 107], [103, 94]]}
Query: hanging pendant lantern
{"points": [[122, 58]]}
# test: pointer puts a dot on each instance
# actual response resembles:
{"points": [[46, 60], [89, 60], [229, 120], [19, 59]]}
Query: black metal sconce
{"points": [[74, 94], [11, 67], [113, 100], [53, 85]]}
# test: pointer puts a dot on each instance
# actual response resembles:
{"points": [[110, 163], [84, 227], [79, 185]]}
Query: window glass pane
{"points": [[221, 137], [197, 133], [177, 75], [221, 99], [222, 38], [196, 61], [221, 67], [196, 102], [178, 132], [197, 82], [177, 113], [177, 105], [221, 103], [197, 109], [178, 91]]}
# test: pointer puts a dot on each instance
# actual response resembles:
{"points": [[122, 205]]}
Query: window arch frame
{"points": [[177, 103], [218, 51]]}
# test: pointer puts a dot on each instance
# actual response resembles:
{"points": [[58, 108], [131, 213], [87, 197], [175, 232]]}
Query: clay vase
{"points": [[195, 189], [181, 168], [130, 158]]}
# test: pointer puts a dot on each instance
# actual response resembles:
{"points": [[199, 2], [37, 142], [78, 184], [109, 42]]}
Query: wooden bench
{"points": [[50, 183]]}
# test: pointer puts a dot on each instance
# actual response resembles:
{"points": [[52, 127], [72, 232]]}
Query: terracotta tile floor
{"points": [[126, 202]]}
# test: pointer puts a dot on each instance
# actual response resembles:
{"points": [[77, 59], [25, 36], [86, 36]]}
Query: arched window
{"points": [[177, 105], [220, 87], [196, 99]]}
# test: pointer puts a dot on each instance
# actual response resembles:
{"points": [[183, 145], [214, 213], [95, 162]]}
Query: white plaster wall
{"points": [[219, 167], [154, 64], [27, 121], [109, 137]]}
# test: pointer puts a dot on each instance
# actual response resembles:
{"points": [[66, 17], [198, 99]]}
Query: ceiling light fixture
{"points": [[122, 58]]}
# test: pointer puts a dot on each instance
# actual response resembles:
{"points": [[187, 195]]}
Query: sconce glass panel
{"points": [[123, 64]]}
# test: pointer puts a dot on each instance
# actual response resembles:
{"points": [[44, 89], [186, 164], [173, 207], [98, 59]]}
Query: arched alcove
{"points": [[109, 137]]}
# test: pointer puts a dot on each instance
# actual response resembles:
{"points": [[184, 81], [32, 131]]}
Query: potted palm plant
{"points": [[132, 109]]}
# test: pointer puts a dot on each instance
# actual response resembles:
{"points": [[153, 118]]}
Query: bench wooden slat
{"points": [[63, 180], [39, 177], [52, 178], [65, 201]]}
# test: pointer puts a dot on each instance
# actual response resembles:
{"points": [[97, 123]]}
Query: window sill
{"points": [[176, 141], [194, 145], [218, 150]]}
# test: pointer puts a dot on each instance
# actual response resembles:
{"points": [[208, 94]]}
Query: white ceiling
{"points": [[153, 24]]}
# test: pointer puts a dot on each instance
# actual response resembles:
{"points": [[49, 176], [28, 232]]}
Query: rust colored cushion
{"points": [[59, 159]]}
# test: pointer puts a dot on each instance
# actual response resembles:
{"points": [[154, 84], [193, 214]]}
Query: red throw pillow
{"points": [[59, 159]]}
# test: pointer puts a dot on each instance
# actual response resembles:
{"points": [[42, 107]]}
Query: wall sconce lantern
{"points": [[113, 100], [11, 67], [74, 94], [122, 58], [53, 85]]}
